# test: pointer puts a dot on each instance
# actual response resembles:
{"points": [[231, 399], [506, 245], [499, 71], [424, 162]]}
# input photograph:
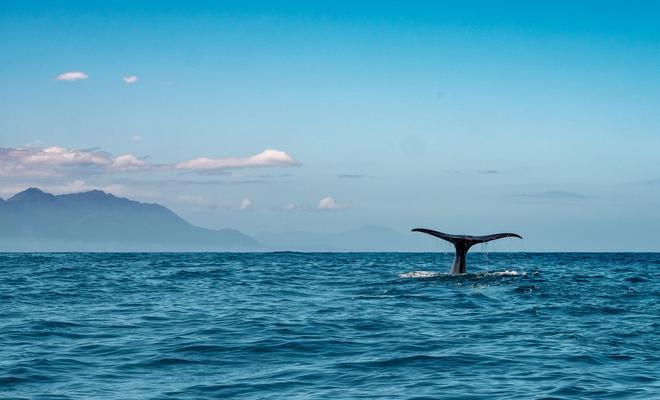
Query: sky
{"points": [[540, 118]]}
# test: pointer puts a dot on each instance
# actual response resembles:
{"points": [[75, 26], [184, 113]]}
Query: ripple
{"points": [[420, 274], [332, 325]]}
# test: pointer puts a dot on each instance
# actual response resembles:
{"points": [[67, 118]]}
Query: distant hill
{"points": [[34, 220], [364, 238]]}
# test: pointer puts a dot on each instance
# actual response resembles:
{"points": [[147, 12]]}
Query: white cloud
{"points": [[245, 204], [60, 156], [329, 203], [131, 79], [71, 76], [128, 162], [290, 207], [267, 158], [61, 161], [136, 138]]}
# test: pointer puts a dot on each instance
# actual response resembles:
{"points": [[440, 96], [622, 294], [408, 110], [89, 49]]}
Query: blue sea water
{"points": [[329, 326]]}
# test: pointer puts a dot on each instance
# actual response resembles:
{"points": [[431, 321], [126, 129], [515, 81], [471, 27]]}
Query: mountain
{"points": [[34, 220], [364, 238]]}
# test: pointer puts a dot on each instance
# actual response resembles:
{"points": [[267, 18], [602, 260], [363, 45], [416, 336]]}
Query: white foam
{"points": [[431, 274], [508, 272], [419, 274]]}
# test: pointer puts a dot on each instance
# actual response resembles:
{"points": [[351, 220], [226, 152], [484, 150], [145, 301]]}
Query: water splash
{"points": [[420, 274]]}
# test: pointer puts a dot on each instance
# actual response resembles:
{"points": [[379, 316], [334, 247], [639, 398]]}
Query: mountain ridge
{"points": [[34, 220]]}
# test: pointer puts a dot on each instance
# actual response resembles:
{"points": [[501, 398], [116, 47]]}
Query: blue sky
{"points": [[536, 118]]}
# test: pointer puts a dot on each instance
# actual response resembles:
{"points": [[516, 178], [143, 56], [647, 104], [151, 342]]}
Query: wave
{"points": [[421, 274], [433, 274], [334, 325]]}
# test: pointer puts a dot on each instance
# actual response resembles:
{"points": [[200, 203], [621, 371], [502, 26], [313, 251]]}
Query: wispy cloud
{"points": [[351, 176], [553, 194], [29, 161], [192, 182], [272, 176], [71, 76], [130, 79], [60, 161], [267, 158], [195, 201], [479, 171], [36, 162], [136, 138]]}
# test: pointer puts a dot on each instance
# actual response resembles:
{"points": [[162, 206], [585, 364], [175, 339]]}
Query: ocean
{"points": [[329, 326]]}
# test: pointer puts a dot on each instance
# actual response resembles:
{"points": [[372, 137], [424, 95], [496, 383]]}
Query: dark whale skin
{"points": [[462, 243]]}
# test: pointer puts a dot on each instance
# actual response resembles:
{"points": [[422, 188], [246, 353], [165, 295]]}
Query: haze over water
{"points": [[343, 325]]}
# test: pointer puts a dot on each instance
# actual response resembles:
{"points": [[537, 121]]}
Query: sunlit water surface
{"points": [[329, 326]]}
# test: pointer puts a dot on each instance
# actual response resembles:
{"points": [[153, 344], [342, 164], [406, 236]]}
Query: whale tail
{"points": [[462, 243]]}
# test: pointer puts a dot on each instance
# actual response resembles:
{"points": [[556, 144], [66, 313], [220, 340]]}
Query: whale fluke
{"points": [[462, 243]]}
